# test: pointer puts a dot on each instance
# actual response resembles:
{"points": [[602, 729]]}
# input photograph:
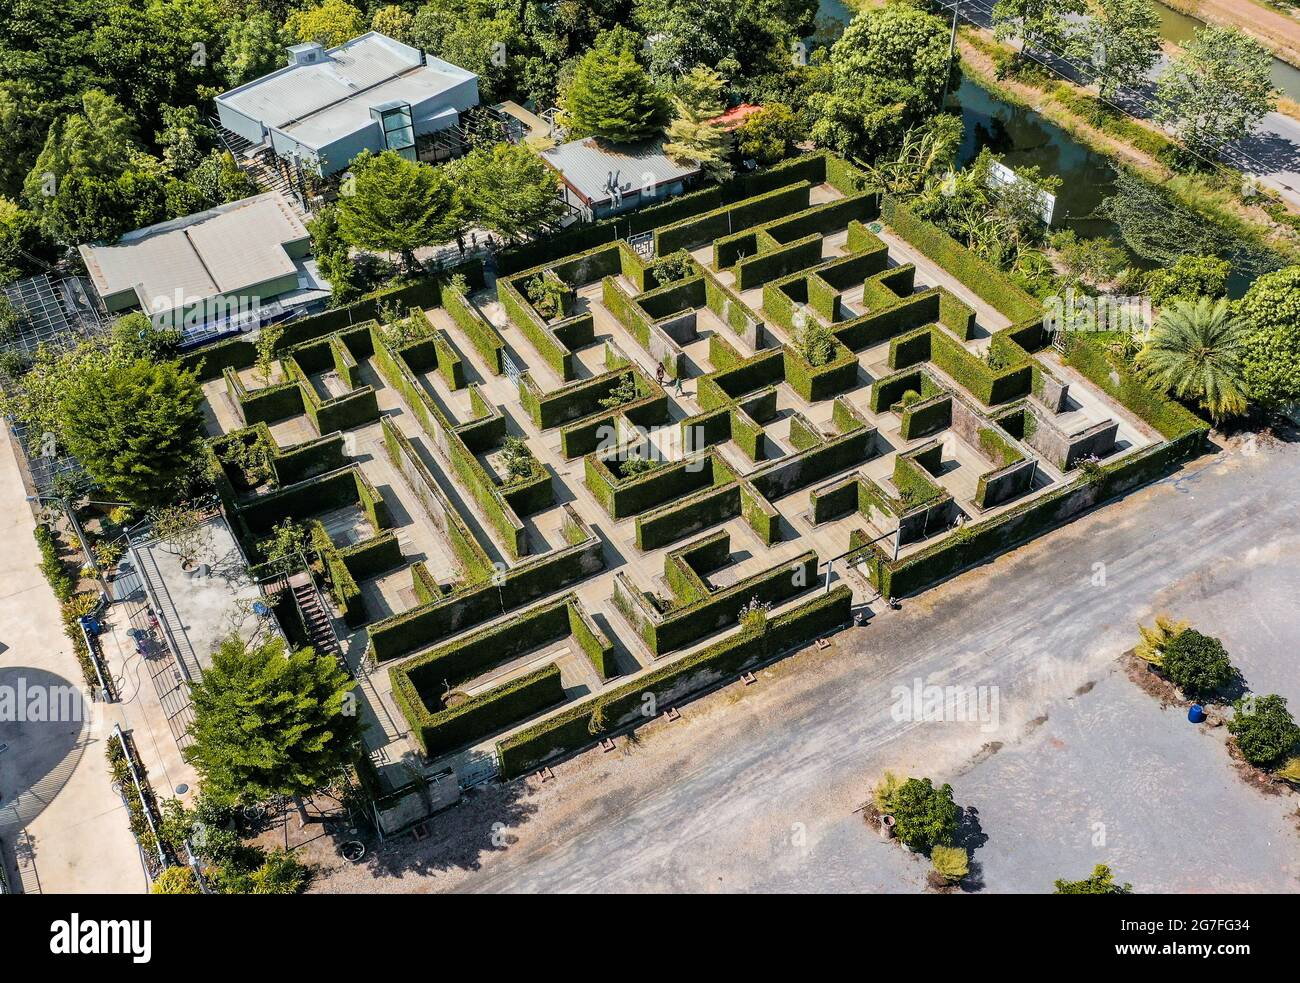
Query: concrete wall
{"points": [[1066, 450]]}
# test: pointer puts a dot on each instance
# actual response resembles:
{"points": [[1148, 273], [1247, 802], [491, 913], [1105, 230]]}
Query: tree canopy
{"points": [[612, 97], [1270, 357], [887, 71], [271, 722], [135, 426], [398, 205], [1216, 89], [508, 189]]}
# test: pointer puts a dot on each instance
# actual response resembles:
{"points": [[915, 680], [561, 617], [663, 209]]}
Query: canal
{"points": [[1023, 138], [1179, 28]]}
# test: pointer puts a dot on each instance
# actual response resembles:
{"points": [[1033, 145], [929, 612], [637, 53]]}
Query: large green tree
{"points": [[1270, 357], [135, 426], [1195, 353], [271, 722], [254, 46], [508, 189], [329, 22], [1041, 23], [699, 97], [741, 40], [611, 96], [479, 35], [1120, 40], [1216, 89], [397, 205], [888, 71]]}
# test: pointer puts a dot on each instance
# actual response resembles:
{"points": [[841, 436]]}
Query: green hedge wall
{"points": [[691, 232], [834, 500], [910, 349], [471, 605], [1170, 419], [481, 333], [990, 386], [308, 459], [538, 333], [677, 520], [472, 558], [442, 731], [686, 625], [981, 277], [815, 383], [927, 417], [782, 261], [575, 728], [876, 327], [626, 497]]}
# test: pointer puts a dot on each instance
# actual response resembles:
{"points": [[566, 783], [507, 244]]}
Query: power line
{"points": [[1083, 71]]}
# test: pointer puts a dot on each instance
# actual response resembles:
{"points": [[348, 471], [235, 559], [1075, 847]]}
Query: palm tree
{"points": [[1195, 353]]}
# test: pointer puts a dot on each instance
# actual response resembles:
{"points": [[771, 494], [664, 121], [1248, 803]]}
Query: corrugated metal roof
{"points": [[594, 168], [319, 102], [221, 251]]}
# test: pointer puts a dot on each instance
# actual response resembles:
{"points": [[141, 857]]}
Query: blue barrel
{"points": [[1196, 713]]}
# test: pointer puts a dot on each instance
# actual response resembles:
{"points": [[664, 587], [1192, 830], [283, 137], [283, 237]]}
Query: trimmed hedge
{"points": [[691, 232], [471, 605], [485, 338], [685, 625], [982, 278], [578, 726], [990, 386], [444, 730], [422, 679]]}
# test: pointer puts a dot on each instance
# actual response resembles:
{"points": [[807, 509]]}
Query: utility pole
{"points": [[952, 50]]}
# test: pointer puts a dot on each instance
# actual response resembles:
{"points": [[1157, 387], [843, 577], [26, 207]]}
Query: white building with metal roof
{"points": [[602, 179], [224, 269], [327, 105]]}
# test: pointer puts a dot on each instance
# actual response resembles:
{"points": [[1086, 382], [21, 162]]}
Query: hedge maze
{"points": [[550, 503]]}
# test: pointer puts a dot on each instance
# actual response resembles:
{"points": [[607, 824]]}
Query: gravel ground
{"points": [[756, 788]]}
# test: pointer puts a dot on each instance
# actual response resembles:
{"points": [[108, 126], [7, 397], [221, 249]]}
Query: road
{"points": [[756, 787], [1271, 152]]}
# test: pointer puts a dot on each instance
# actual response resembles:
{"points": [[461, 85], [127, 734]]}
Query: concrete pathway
{"points": [[63, 827]]}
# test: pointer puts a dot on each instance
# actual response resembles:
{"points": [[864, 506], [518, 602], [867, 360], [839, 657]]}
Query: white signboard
{"points": [[1000, 175]]}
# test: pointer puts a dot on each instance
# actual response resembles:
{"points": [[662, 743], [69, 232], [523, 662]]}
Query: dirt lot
{"points": [[756, 787]]}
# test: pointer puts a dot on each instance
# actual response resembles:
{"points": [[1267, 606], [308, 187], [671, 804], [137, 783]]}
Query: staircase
{"points": [[320, 630], [262, 165]]}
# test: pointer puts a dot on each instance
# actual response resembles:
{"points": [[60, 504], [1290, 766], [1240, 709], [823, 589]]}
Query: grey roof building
{"points": [[225, 269], [602, 179], [327, 105]]}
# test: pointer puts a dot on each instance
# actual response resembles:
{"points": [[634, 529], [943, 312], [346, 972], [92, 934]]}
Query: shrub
{"points": [[1099, 883], [924, 816], [55, 570], [1264, 729], [815, 344], [281, 873], [547, 295], [1156, 639], [675, 266], [517, 458], [624, 392], [1197, 664], [176, 880], [952, 863]]}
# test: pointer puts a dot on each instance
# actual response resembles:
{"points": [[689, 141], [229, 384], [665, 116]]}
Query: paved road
{"points": [[1271, 152], [755, 789]]}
